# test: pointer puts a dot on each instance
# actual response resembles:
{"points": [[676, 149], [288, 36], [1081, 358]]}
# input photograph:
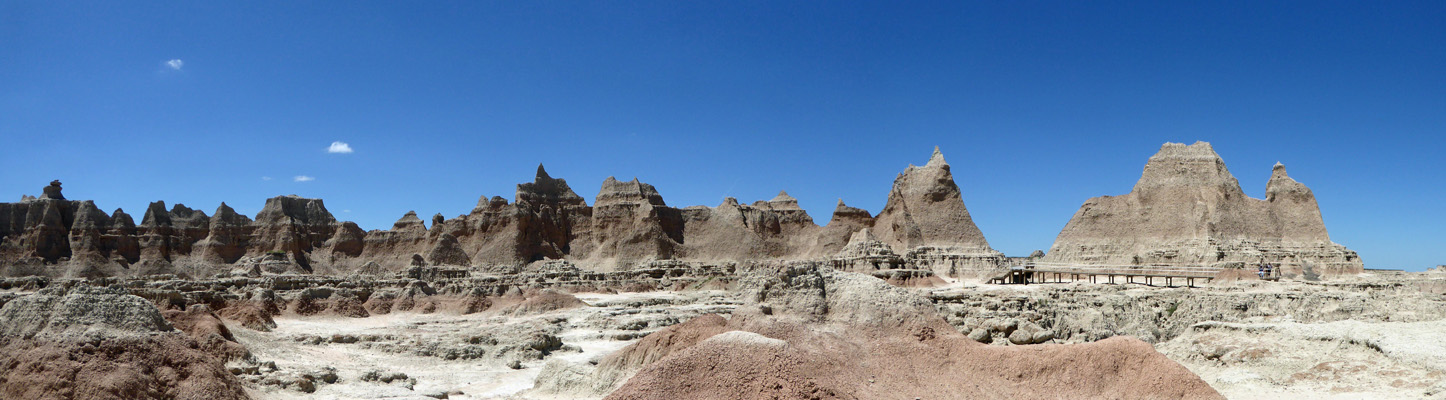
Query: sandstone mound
{"points": [[84, 312], [815, 333], [103, 344], [541, 301], [203, 325], [1188, 209]]}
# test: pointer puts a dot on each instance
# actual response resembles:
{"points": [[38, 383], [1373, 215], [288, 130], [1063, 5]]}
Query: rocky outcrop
{"points": [[83, 312], [51, 191], [865, 254], [165, 235], [36, 232], [103, 343], [630, 223], [628, 226], [733, 231], [552, 217], [925, 219], [792, 330], [845, 222], [229, 238], [1187, 209], [293, 225], [448, 252]]}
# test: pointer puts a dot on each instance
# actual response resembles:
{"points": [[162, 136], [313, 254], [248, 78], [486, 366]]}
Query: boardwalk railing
{"points": [[1041, 272]]}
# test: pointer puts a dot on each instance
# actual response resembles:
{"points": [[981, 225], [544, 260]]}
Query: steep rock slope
{"points": [[925, 217], [1188, 209]]}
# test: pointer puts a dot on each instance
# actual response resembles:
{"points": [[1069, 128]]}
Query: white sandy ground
{"points": [[475, 379], [1267, 358], [1334, 360], [1275, 358]]}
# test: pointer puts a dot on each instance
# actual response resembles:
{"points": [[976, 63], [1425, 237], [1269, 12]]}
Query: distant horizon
{"points": [[379, 107]]}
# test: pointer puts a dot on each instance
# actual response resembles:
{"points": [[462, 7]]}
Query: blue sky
{"points": [[1037, 105]]}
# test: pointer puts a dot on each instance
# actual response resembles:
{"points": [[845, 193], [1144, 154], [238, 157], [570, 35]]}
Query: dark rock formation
{"points": [[164, 234], [230, 236], [629, 225], [292, 224], [448, 252], [52, 191], [630, 222]]}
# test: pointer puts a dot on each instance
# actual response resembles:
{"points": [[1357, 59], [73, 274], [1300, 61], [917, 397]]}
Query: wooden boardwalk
{"points": [[1168, 275]]}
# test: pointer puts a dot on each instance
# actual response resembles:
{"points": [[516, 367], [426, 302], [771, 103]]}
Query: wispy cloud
{"points": [[265, 178], [339, 148], [303, 178], [175, 64]]}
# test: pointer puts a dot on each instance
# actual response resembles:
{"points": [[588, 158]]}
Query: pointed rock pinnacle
{"points": [[937, 158]]}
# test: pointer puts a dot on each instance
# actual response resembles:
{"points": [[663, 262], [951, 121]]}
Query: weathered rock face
{"points": [[552, 217], [545, 221], [924, 224], [83, 312], [292, 224], [865, 253], [630, 222], [1188, 209], [841, 228], [167, 234], [103, 343], [925, 208], [925, 219], [229, 237], [52, 237], [733, 231], [37, 229], [448, 252]]}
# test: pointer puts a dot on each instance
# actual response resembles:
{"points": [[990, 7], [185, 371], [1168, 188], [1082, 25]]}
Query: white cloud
{"points": [[303, 178], [346, 211], [265, 178], [339, 147], [175, 64]]}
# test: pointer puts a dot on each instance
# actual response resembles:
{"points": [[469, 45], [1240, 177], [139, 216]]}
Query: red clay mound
{"points": [[540, 302], [206, 328], [249, 314], [744, 365], [664, 342], [101, 343], [135, 367], [819, 334]]}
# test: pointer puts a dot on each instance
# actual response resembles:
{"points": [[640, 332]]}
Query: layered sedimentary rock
{"points": [[292, 224], [1187, 209], [630, 221], [103, 343], [815, 333], [229, 236], [841, 228], [925, 218], [925, 226]]}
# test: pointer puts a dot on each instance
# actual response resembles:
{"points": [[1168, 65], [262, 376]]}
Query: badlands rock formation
{"points": [[924, 229], [815, 333], [1188, 209], [93, 343]]}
